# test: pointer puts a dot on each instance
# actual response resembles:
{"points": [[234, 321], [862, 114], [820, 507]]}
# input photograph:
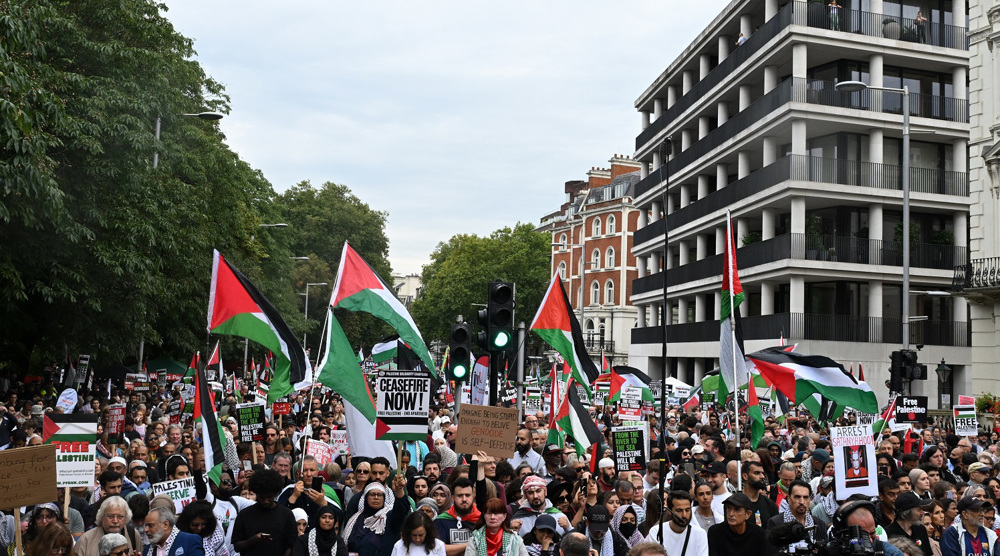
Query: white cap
{"points": [[117, 459], [606, 462], [300, 514]]}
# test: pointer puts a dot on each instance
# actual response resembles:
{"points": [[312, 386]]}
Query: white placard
{"points": [[854, 461]]}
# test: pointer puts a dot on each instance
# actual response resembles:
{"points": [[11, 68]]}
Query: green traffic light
{"points": [[460, 371], [501, 339]]}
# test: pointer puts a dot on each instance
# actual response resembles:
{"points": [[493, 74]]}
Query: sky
{"points": [[453, 117]]}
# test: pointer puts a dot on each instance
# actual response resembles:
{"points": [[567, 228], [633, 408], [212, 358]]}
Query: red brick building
{"points": [[592, 251]]}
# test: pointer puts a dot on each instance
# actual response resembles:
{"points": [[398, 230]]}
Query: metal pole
{"points": [[306, 316], [664, 158], [906, 218], [156, 135], [520, 366]]}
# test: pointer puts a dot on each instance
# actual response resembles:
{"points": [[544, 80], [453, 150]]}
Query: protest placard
{"points": [[630, 404], [338, 439], [629, 448], [489, 429], [116, 423], [509, 395], [403, 402], [966, 400], [853, 450], [28, 476], [180, 491], [912, 410], [532, 399], [137, 382], [966, 423], [67, 400], [250, 418], [281, 408], [322, 451], [75, 439]]}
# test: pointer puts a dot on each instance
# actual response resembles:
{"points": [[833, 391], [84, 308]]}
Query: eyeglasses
{"points": [[59, 550], [377, 494], [119, 551], [225, 482]]}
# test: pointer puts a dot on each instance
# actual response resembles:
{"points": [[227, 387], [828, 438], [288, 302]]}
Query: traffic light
{"points": [[459, 352], [897, 370], [500, 316]]}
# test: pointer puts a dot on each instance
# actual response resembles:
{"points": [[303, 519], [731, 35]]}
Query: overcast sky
{"points": [[454, 117]]}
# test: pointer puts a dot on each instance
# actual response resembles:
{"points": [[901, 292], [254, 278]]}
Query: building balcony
{"points": [[839, 249], [977, 274], [812, 15], [597, 344], [814, 169], [808, 326]]}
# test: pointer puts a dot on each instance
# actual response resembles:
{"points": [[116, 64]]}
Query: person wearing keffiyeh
{"points": [[629, 529], [798, 501], [376, 525]]}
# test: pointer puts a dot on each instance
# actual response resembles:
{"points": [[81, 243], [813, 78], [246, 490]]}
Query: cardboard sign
{"points": [[966, 423], [28, 476], [966, 400], [488, 429], [630, 448], [338, 439], [116, 423], [281, 408], [67, 400], [912, 410], [250, 418], [630, 404], [853, 450], [180, 491], [404, 400], [75, 439], [322, 451]]}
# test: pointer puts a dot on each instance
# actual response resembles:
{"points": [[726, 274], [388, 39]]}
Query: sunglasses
{"points": [[562, 499], [362, 471]]}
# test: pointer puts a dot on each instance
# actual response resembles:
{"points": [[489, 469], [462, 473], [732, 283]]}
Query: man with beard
{"points": [[799, 497], [909, 511], [265, 528], [114, 516], [715, 475], [432, 470], [553, 456], [524, 454], [271, 448], [165, 539], [679, 531], [597, 528], [608, 476], [754, 484], [456, 524], [738, 535], [534, 504], [225, 505], [715, 449], [970, 535]]}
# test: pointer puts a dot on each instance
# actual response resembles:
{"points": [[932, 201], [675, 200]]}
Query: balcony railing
{"points": [[842, 249], [977, 274], [595, 343], [808, 326], [815, 169]]}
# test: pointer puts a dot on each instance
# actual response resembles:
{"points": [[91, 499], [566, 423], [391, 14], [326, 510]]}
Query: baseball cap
{"points": [[980, 467], [598, 518], [697, 449], [715, 467], [970, 503], [821, 455], [908, 500], [446, 419], [739, 500], [546, 521], [552, 449]]}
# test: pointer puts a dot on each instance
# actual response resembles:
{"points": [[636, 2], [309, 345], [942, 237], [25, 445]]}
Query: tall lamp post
{"points": [[854, 86], [307, 305]]}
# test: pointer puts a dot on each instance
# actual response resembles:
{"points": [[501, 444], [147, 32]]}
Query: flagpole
{"points": [[664, 159], [730, 263], [888, 412]]}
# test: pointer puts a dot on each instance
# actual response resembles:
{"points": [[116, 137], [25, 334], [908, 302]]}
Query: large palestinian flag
{"points": [[237, 308], [800, 376], [358, 288], [574, 420], [732, 364], [211, 431], [556, 323]]}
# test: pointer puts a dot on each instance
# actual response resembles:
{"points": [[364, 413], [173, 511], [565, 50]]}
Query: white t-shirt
{"points": [[674, 543], [400, 549]]}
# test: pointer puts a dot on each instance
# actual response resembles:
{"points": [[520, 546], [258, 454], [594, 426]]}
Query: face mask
{"points": [[626, 529]]}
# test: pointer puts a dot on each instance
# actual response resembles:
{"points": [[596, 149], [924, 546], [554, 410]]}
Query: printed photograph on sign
{"points": [[854, 456]]}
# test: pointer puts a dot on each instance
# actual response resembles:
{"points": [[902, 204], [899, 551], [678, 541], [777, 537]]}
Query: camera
{"points": [[851, 541]]}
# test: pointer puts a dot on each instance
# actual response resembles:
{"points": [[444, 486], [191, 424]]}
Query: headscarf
{"points": [[532, 481], [374, 520], [447, 496], [616, 522], [320, 540], [449, 459], [430, 503]]}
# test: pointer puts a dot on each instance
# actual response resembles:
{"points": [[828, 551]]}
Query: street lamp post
{"points": [[211, 116], [853, 86], [307, 304]]}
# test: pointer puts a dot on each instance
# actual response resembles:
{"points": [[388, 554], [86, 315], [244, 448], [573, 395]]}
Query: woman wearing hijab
{"points": [[493, 534], [442, 495], [375, 527], [323, 539], [626, 523]]}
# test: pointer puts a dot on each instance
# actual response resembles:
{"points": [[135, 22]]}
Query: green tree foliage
{"points": [[100, 249], [322, 219], [462, 267]]}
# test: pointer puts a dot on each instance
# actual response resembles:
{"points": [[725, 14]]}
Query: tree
{"points": [[462, 267]]}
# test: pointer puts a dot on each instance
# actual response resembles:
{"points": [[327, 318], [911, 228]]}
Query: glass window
{"points": [[611, 225], [610, 258], [595, 293], [562, 270], [609, 293], [597, 227]]}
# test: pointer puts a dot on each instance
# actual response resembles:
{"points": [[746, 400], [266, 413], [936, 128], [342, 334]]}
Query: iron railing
{"points": [[977, 274], [879, 25]]}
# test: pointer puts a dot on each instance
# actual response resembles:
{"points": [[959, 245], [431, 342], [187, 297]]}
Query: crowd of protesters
{"points": [[937, 493]]}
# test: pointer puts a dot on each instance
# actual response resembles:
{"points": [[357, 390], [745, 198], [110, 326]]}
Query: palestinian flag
{"points": [[339, 370], [385, 351], [216, 359], [358, 288], [605, 364], [574, 420], [888, 419], [193, 366], [861, 373], [237, 308], [756, 418], [732, 364], [694, 400], [556, 323], [622, 376], [211, 430], [823, 409], [800, 376], [554, 436]]}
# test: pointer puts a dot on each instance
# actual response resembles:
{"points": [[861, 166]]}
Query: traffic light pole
{"points": [[519, 379]]}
